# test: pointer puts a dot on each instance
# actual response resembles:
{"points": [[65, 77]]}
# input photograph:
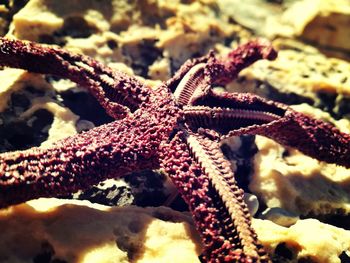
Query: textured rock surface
{"points": [[155, 34], [25, 99], [298, 183], [326, 25], [323, 22], [152, 39], [77, 231], [307, 241], [300, 74], [51, 230]]}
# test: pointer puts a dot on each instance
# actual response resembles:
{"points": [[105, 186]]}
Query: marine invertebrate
{"points": [[176, 126]]}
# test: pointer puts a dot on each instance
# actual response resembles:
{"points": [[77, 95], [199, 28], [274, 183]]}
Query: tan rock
{"points": [[64, 120], [300, 73], [288, 179], [77, 231], [121, 31], [323, 22], [308, 239]]}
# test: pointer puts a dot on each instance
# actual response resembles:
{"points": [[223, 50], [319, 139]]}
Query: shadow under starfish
{"points": [[177, 127]]}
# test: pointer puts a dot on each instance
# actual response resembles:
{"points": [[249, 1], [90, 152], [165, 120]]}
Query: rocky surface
{"points": [[308, 240], [151, 39], [298, 183], [51, 230], [321, 22], [300, 74]]}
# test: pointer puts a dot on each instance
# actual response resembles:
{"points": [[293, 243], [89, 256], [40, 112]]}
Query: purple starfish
{"points": [[177, 126]]}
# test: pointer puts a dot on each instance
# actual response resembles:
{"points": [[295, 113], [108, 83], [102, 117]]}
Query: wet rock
{"points": [[279, 216], [252, 202]]}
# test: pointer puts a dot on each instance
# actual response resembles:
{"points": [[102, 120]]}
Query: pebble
{"points": [[252, 203], [279, 216]]}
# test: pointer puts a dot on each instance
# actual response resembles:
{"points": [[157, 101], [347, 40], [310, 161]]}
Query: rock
{"points": [[77, 231], [300, 74], [111, 192], [288, 179], [152, 38], [321, 22], [307, 240], [252, 203], [279, 216], [30, 113]]}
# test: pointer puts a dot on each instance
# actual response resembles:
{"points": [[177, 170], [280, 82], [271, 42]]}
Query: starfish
{"points": [[177, 126]]}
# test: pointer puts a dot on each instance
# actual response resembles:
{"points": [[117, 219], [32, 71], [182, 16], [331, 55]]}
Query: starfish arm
{"points": [[184, 69], [224, 69], [251, 114], [313, 137], [115, 91], [205, 180], [224, 120], [79, 161], [193, 84], [245, 103], [194, 79]]}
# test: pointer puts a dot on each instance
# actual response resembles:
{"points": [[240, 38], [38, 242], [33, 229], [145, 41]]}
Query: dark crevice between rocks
{"points": [[18, 133], [46, 254], [77, 27], [54, 39], [279, 2], [283, 254], [179, 204], [342, 107], [344, 257], [327, 102], [110, 196], [112, 44], [85, 105], [306, 260], [243, 158], [232, 40], [147, 187], [143, 189], [7, 16], [74, 27], [26, 133], [142, 55], [273, 93], [338, 219]]}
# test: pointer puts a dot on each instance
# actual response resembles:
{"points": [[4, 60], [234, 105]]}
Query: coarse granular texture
{"points": [[153, 44]]}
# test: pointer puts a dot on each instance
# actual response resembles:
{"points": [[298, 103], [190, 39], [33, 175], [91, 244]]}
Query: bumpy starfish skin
{"points": [[177, 126], [80, 161], [227, 234]]}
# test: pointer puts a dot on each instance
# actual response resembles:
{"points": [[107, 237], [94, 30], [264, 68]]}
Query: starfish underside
{"points": [[177, 126]]}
